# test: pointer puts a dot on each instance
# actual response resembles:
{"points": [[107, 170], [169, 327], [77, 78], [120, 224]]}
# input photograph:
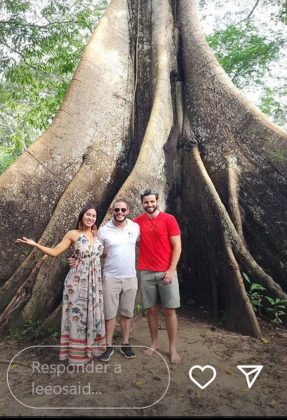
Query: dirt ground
{"points": [[37, 384]]}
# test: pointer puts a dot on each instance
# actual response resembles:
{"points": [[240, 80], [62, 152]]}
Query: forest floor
{"points": [[37, 384]]}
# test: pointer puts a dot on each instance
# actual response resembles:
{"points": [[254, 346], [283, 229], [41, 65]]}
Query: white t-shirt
{"points": [[119, 244]]}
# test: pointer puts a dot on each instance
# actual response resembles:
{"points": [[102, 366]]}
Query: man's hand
{"points": [[168, 276], [73, 262]]}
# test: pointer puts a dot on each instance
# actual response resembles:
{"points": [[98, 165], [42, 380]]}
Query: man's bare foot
{"points": [[175, 358], [150, 350]]}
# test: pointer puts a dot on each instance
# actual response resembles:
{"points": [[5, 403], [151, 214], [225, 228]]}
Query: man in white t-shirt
{"points": [[119, 237]]}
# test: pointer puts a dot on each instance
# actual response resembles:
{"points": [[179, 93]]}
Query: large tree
{"points": [[149, 106]]}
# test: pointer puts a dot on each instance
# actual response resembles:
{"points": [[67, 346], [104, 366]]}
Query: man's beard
{"points": [[151, 211], [120, 221]]}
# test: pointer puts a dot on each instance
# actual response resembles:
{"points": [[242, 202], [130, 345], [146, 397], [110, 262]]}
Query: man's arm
{"points": [[176, 251]]}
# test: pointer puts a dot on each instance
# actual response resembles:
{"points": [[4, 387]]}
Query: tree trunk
{"points": [[149, 106]]}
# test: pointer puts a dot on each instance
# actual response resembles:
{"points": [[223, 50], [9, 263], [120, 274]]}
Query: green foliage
{"points": [[274, 308], [243, 53], [274, 103], [138, 309], [41, 46], [255, 294], [32, 331], [282, 10], [277, 310], [250, 43]]}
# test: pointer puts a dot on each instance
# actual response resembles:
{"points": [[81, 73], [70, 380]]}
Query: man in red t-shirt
{"points": [[159, 252]]}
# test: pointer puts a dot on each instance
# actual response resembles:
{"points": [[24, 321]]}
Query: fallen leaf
{"points": [[139, 383]]}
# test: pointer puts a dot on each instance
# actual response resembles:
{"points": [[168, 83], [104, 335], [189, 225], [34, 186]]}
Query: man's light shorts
{"points": [[119, 294], [155, 292]]}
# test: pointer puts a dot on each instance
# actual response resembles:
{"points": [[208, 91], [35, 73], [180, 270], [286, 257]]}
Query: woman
{"points": [[83, 326]]}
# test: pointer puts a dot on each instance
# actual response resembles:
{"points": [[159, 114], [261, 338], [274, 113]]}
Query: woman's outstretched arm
{"points": [[65, 243]]}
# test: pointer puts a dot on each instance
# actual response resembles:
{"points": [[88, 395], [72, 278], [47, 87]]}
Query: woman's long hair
{"points": [[79, 224]]}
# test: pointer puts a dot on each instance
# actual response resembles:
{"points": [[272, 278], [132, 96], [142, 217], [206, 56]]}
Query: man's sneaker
{"points": [[105, 357], [127, 351]]}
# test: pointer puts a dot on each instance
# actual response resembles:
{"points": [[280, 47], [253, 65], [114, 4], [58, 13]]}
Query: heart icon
{"points": [[202, 368]]}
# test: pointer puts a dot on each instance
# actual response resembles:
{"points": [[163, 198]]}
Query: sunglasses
{"points": [[118, 209]]}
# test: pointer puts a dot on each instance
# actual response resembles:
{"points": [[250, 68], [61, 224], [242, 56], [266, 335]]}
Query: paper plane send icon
{"points": [[251, 373]]}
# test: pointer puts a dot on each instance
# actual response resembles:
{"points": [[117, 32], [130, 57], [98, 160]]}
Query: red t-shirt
{"points": [[155, 247]]}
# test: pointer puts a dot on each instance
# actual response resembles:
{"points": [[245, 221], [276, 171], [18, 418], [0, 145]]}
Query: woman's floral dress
{"points": [[83, 323]]}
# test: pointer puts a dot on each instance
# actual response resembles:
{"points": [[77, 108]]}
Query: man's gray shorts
{"points": [[119, 294], [155, 292]]}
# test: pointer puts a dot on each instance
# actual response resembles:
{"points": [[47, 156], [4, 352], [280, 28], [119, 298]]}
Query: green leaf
{"points": [[270, 299], [245, 276], [256, 286]]}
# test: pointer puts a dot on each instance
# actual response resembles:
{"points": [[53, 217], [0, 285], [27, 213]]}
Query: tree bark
{"points": [[149, 106]]}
